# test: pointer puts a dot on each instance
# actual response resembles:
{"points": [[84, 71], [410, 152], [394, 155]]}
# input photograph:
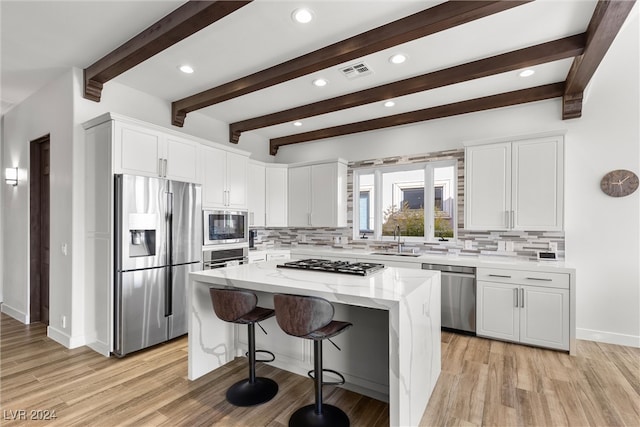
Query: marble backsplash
{"points": [[520, 244]]}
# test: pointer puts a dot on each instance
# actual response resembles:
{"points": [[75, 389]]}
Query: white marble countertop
{"points": [[390, 284], [481, 261]]}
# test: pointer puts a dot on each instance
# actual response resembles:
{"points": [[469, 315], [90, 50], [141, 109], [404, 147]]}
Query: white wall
{"points": [[602, 233], [46, 112]]}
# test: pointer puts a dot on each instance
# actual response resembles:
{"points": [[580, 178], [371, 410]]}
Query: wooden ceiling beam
{"points": [[418, 25], [523, 96], [522, 58], [186, 20], [605, 24]]}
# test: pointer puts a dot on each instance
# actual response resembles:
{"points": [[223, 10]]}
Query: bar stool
{"points": [[312, 318], [239, 306]]}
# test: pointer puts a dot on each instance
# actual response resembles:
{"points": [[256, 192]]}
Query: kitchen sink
{"points": [[395, 254]]}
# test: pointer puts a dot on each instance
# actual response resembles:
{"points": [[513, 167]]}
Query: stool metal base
{"points": [[330, 416], [245, 393]]}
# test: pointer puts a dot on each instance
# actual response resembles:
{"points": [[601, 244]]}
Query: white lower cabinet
{"points": [[535, 313]]}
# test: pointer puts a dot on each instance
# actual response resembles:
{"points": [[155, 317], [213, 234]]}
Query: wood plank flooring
{"points": [[483, 382]]}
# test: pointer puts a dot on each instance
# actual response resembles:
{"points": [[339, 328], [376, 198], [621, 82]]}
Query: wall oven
{"points": [[224, 227], [219, 258]]}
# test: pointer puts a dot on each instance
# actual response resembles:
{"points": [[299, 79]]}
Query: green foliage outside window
{"points": [[411, 222]]}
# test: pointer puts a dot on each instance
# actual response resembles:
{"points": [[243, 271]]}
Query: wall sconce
{"points": [[11, 176]]}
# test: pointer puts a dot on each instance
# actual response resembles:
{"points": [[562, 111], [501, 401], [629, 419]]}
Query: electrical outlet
{"points": [[553, 246], [468, 244], [63, 321], [509, 246], [502, 246]]}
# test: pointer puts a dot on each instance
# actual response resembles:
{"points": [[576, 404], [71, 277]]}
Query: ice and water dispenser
{"points": [[142, 235]]}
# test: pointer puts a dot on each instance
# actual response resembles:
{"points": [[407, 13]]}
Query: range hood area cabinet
{"points": [[139, 149], [318, 194], [267, 194], [516, 185], [224, 178]]}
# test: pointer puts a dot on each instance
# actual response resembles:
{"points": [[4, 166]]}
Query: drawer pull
{"points": [[500, 275], [543, 279], [515, 297]]}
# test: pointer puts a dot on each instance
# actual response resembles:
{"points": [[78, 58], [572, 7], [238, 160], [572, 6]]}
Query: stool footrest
{"points": [[311, 375], [273, 357]]}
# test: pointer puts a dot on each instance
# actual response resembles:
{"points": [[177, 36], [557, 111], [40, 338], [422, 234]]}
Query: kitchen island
{"points": [[396, 311]]}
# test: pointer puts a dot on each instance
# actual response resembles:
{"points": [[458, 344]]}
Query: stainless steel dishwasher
{"points": [[458, 297]]}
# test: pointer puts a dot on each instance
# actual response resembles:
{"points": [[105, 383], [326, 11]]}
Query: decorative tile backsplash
{"points": [[519, 244]]}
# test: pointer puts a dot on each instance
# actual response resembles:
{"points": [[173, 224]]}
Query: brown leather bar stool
{"points": [[239, 306], [312, 318]]}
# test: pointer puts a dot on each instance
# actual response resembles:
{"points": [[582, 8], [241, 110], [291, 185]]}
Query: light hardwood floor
{"points": [[483, 382]]}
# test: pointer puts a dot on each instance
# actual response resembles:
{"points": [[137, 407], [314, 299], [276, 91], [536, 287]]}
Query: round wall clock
{"points": [[619, 183]]}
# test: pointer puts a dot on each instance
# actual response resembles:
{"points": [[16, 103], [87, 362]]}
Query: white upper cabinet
{"points": [[318, 195], [538, 184], [181, 159], [515, 185], [256, 194], [300, 196], [224, 183], [487, 186], [139, 150], [276, 195]]}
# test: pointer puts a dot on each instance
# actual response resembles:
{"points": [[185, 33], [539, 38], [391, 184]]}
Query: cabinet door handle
{"points": [[543, 279], [521, 298], [159, 167], [506, 219], [309, 219], [515, 297], [513, 222], [165, 167], [500, 275]]}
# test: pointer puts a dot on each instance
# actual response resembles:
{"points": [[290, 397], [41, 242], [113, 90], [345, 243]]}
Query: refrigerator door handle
{"points": [[168, 299]]}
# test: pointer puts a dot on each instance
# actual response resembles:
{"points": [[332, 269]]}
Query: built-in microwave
{"points": [[222, 226]]}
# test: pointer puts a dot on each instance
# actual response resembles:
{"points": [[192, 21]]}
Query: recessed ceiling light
{"points": [[320, 82], [298, 124], [187, 69], [398, 58], [389, 104], [527, 73], [302, 16]]}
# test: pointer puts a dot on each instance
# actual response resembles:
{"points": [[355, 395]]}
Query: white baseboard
{"points": [[608, 337], [64, 339], [15, 313]]}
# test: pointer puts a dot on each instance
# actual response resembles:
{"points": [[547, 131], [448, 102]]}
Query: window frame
{"points": [[429, 216]]}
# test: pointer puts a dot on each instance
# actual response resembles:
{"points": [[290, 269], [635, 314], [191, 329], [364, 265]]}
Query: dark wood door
{"points": [[39, 224]]}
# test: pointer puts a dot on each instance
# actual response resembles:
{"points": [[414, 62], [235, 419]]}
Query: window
{"points": [[392, 197]]}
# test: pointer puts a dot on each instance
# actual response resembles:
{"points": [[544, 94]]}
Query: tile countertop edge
{"points": [[460, 260]]}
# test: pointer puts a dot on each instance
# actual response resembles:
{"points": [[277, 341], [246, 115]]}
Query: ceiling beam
{"points": [[418, 25], [605, 24], [186, 20], [523, 96], [567, 47]]}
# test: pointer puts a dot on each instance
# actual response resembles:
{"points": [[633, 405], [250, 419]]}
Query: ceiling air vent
{"points": [[356, 70]]}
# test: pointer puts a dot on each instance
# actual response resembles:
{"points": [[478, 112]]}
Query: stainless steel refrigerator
{"points": [[158, 241]]}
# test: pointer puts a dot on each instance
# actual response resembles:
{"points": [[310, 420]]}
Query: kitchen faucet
{"points": [[396, 232]]}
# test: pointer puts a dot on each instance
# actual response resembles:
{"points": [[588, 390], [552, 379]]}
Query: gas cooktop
{"points": [[355, 268]]}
